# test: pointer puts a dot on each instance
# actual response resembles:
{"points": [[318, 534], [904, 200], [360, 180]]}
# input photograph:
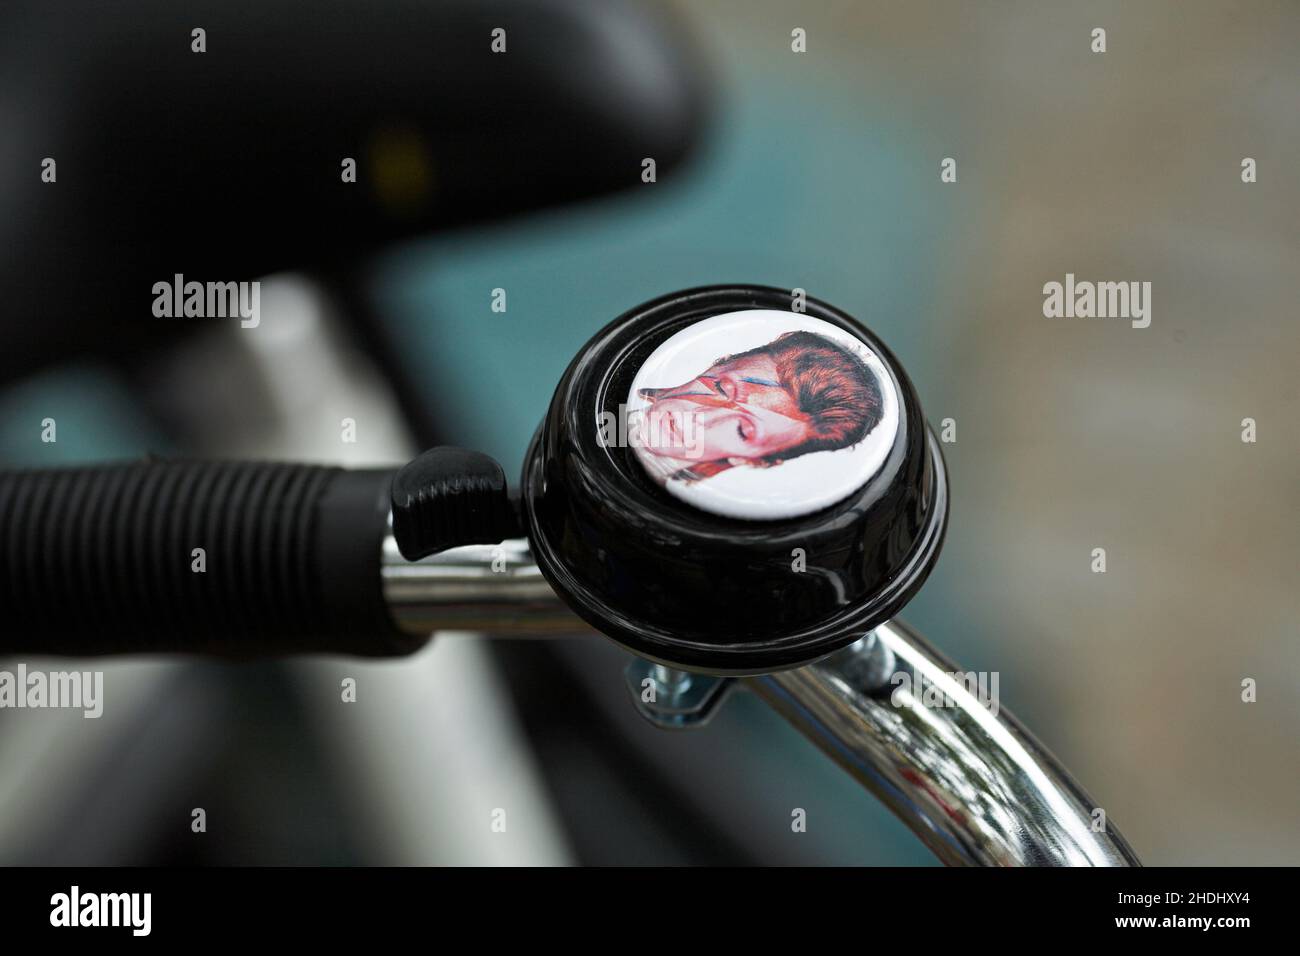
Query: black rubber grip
{"points": [[104, 560]]}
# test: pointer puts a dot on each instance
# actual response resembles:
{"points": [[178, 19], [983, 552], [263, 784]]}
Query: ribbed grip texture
{"points": [[103, 560]]}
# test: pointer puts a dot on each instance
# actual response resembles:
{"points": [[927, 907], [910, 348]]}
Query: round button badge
{"points": [[762, 414]]}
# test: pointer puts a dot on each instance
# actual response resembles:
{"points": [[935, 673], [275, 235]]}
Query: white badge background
{"points": [[796, 487]]}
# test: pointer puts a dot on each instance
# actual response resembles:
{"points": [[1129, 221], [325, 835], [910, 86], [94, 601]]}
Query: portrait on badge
{"points": [[762, 414]]}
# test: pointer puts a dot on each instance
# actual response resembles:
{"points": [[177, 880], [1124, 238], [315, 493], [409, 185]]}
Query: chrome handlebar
{"points": [[969, 780]]}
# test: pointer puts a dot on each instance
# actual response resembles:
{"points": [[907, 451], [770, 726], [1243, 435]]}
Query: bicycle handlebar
{"points": [[301, 558], [245, 558], [226, 558]]}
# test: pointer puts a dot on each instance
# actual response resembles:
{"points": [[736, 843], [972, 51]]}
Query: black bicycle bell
{"points": [[726, 484]]}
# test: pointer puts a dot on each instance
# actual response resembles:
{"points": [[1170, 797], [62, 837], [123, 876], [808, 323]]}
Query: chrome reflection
{"points": [[970, 781]]}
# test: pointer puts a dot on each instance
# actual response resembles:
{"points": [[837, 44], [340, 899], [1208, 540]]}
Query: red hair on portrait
{"points": [[835, 391], [831, 385]]}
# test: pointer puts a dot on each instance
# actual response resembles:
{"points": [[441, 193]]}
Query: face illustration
{"points": [[797, 414], [733, 409]]}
